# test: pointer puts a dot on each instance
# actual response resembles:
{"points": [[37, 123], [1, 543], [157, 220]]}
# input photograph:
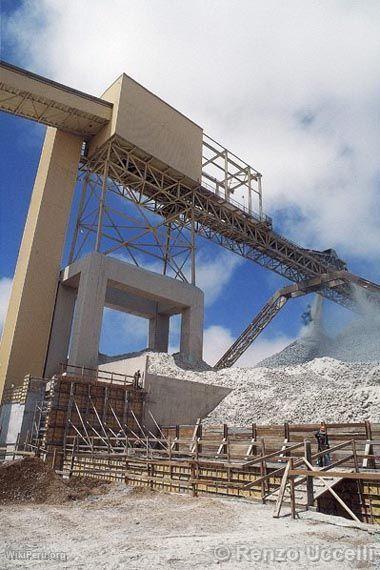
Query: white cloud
{"points": [[218, 339], [292, 87], [5, 293], [123, 332], [214, 273]]}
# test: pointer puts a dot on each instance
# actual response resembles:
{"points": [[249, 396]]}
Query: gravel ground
{"points": [[129, 528]]}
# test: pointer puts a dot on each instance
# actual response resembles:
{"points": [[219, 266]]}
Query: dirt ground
{"points": [[125, 527], [30, 480]]}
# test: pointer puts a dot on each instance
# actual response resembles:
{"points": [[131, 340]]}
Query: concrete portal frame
{"points": [[97, 281]]}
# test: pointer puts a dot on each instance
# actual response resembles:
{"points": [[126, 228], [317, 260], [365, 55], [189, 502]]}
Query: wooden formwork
{"points": [[230, 478], [94, 428], [80, 407], [176, 475], [243, 442], [251, 464]]}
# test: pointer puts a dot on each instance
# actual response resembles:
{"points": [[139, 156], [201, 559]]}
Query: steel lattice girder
{"points": [[326, 283], [171, 242], [262, 320], [214, 218]]}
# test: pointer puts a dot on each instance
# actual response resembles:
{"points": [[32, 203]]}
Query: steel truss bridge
{"points": [[185, 210]]}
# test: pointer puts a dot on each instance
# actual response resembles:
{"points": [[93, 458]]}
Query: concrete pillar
{"points": [[159, 333], [27, 326], [16, 419], [88, 316], [191, 346], [61, 329]]}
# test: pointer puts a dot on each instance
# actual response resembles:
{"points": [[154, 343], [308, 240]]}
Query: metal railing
{"points": [[96, 374]]}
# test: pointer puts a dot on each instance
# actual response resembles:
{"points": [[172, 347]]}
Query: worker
{"points": [[136, 379], [323, 445]]}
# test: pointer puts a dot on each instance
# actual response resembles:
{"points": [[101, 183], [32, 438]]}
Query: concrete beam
{"points": [[126, 277], [129, 303], [137, 305]]}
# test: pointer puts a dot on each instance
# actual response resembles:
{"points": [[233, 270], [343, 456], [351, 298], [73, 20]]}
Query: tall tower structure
{"points": [[81, 127], [26, 331]]}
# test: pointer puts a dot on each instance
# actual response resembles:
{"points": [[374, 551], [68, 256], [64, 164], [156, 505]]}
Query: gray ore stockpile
{"points": [[358, 342], [315, 378]]}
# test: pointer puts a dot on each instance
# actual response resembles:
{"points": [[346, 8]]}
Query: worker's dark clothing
{"points": [[136, 379], [323, 444]]}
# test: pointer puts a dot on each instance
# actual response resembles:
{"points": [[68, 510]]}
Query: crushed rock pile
{"points": [[358, 342], [30, 480], [322, 389], [298, 352]]}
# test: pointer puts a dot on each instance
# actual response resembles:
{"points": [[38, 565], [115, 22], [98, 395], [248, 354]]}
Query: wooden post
{"points": [[368, 429], [309, 480], [284, 452], [15, 449], [262, 471], [360, 485], [292, 490], [150, 475], [199, 437], [26, 442], [225, 436], [265, 471], [193, 479], [54, 458], [356, 464], [254, 439], [281, 492], [74, 449]]}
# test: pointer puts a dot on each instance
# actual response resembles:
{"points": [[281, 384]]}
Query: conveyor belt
{"points": [[277, 302]]}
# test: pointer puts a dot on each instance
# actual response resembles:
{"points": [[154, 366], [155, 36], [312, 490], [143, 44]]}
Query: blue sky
{"points": [[306, 118]]}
